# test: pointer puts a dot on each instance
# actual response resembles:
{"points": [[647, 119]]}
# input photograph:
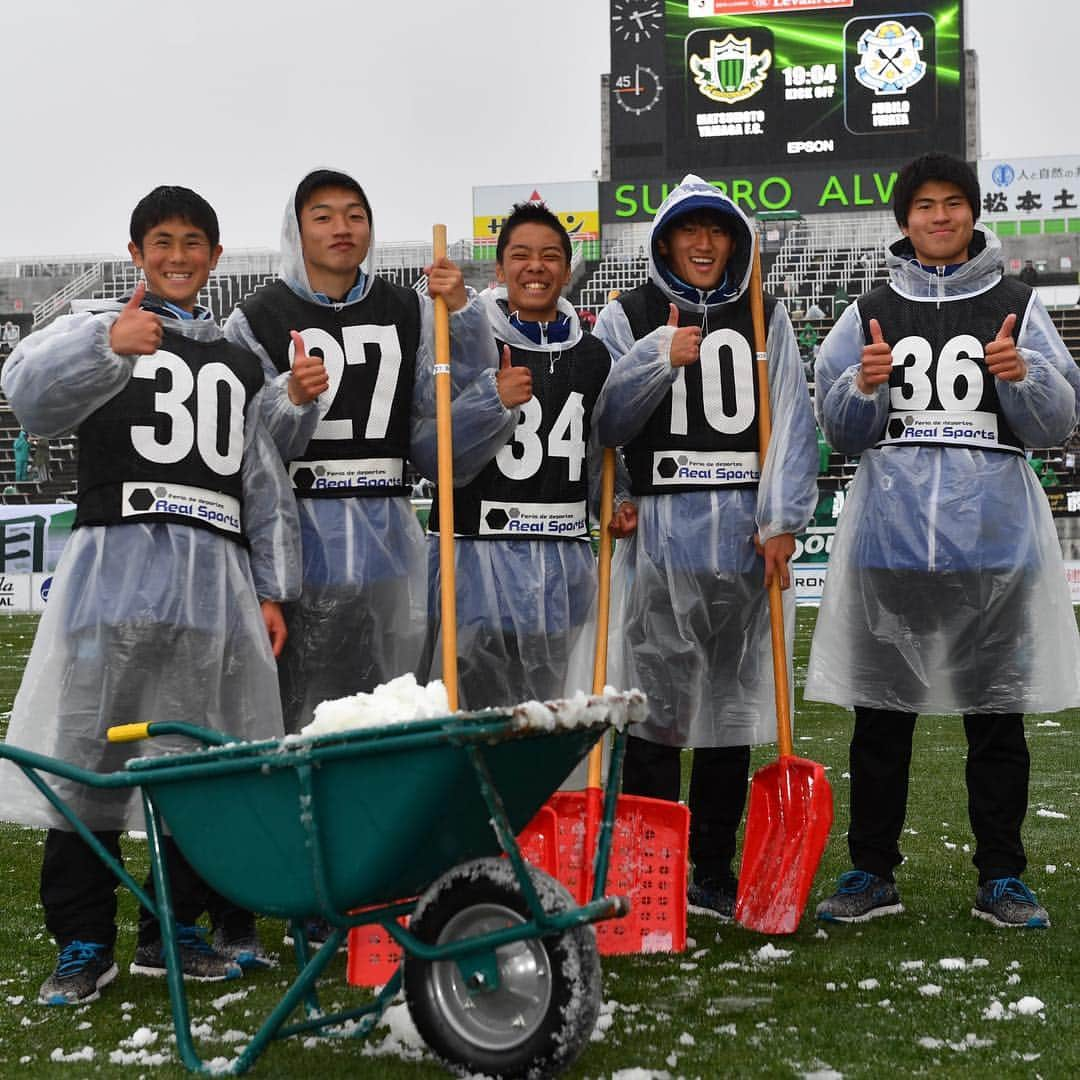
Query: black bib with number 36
{"points": [[940, 390]]}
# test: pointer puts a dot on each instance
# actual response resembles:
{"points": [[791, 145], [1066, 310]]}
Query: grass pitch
{"points": [[932, 992]]}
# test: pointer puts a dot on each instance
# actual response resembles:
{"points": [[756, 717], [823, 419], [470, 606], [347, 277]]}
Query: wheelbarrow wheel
{"points": [[539, 1018]]}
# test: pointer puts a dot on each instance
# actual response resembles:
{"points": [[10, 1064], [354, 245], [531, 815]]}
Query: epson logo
{"points": [[811, 146]]}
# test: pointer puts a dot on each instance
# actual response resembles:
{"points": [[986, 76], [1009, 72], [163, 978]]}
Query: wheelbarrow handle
{"points": [[120, 733]]}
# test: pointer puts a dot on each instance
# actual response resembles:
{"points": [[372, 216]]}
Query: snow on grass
{"points": [[769, 952], [85, 1054], [1026, 1006]]}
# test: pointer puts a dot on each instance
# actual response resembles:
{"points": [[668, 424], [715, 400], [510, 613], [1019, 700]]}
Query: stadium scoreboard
{"points": [[719, 84]]}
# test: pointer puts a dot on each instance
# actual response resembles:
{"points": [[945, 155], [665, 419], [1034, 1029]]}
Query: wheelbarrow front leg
{"points": [[174, 972]]}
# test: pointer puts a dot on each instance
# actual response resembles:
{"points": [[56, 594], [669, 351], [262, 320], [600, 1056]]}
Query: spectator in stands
{"points": [[946, 591], [1029, 275], [149, 617], [689, 600], [808, 338], [527, 582], [21, 449], [349, 360], [840, 300], [42, 472], [814, 311], [10, 337]]}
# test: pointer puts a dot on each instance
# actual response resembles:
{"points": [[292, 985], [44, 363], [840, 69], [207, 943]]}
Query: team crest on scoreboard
{"points": [[732, 71], [890, 58]]}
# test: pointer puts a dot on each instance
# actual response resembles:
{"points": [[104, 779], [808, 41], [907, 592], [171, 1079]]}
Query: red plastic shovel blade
{"points": [[787, 826]]}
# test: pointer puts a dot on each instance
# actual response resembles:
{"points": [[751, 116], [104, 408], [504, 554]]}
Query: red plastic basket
{"points": [[648, 865], [374, 955]]}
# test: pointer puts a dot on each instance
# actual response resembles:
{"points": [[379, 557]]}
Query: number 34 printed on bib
{"points": [[523, 456]]}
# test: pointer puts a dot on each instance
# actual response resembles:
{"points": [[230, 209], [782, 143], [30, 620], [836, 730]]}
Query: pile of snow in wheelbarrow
{"points": [[404, 699]]}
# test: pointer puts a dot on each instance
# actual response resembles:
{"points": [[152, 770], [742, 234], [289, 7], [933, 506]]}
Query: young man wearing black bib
{"points": [[165, 604], [525, 571], [709, 525], [348, 356], [945, 591]]}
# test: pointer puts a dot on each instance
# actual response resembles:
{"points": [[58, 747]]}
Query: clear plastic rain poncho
{"points": [[945, 590], [144, 621], [362, 616], [526, 626], [690, 619]]}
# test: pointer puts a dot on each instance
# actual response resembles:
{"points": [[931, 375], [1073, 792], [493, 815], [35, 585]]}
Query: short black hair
{"points": [[169, 201], [536, 213], [325, 178], [941, 167], [700, 215]]}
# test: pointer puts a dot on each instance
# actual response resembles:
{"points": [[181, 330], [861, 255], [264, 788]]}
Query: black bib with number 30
{"points": [[169, 446]]}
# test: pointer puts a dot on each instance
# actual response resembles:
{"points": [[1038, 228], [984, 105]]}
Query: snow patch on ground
{"points": [[769, 952]]}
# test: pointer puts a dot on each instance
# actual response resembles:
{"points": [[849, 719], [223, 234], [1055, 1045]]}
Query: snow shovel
{"points": [[650, 836], [791, 807], [447, 577]]}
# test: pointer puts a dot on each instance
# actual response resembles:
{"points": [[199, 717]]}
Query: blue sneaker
{"points": [[859, 896], [82, 969], [1009, 902]]}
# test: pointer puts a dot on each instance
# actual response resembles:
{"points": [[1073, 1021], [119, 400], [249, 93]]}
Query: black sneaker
{"points": [[82, 969], [199, 961], [1009, 902], [244, 947], [715, 899], [859, 896]]}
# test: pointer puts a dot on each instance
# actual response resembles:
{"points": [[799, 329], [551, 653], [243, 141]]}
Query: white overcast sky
{"points": [[419, 99]]}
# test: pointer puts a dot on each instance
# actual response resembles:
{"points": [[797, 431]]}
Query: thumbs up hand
{"points": [[135, 332], [1002, 359], [875, 364], [685, 343], [513, 383], [309, 377]]}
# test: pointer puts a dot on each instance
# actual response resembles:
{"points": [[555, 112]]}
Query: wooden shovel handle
{"points": [[447, 583], [776, 602], [603, 600]]}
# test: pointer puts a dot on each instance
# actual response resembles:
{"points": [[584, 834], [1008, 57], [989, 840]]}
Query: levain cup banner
{"points": [[31, 540], [32, 537]]}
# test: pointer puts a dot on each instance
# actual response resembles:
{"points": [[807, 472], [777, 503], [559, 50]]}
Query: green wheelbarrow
{"points": [[500, 970]]}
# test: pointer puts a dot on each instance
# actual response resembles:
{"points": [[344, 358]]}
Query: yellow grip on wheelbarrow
{"points": [[128, 732]]}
